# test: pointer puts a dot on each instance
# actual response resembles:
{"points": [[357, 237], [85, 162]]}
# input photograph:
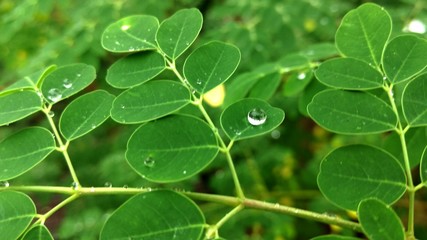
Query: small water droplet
{"points": [[92, 189], [122, 106], [93, 126], [149, 189], [301, 76], [54, 95], [117, 43], [4, 184], [391, 92], [187, 43], [125, 186], [74, 185], [276, 205], [39, 93], [149, 30], [184, 172], [131, 49], [198, 81], [257, 117], [51, 114], [78, 75], [67, 83], [124, 27], [108, 184], [275, 134], [149, 162], [384, 78]]}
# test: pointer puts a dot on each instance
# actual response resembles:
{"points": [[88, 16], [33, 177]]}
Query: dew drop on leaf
{"points": [[149, 162], [54, 95], [301, 76], [51, 114], [198, 81], [78, 75], [67, 83], [184, 172], [257, 117], [4, 184], [125, 27], [108, 184]]}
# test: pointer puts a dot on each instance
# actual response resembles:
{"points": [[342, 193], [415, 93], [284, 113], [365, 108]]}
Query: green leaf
{"points": [[334, 237], [157, 215], [351, 112], [404, 57], [266, 86], [171, 149], [179, 31], [149, 101], [320, 51], [210, 65], [414, 101], [379, 221], [18, 105], [17, 212], [363, 33], [85, 114], [23, 150], [134, 33], [66, 81], [349, 73], [249, 118], [293, 62], [297, 81], [39, 232], [423, 167], [135, 69], [370, 170], [33, 81]]}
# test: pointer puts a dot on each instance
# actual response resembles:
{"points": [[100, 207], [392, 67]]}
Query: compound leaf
{"points": [[179, 31], [171, 149], [66, 81], [155, 215], [39, 232], [414, 101], [85, 114], [149, 101], [351, 112], [370, 170], [23, 150], [210, 65], [349, 73], [17, 212], [249, 118], [379, 221], [129, 34], [135, 69], [363, 33], [16, 105], [404, 57]]}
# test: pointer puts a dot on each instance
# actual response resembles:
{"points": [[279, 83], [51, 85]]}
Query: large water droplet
{"points": [[257, 117], [4, 184], [149, 162], [67, 83], [54, 95]]}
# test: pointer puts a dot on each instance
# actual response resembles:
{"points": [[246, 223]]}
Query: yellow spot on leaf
{"points": [[215, 97]]}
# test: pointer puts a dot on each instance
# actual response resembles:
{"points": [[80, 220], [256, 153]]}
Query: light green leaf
{"points": [[157, 215], [266, 86], [135, 69], [149, 101], [351, 112], [179, 31], [129, 34], [293, 62], [85, 114], [423, 167], [363, 33], [370, 170], [18, 105], [171, 149], [414, 101], [210, 65], [320, 51], [17, 212], [249, 118], [334, 237], [404, 57], [33, 81], [39, 232], [66, 81], [24, 150], [349, 73], [379, 221], [297, 81]]}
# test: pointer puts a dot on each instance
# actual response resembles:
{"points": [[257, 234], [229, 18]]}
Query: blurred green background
{"points": [[280, 167]]}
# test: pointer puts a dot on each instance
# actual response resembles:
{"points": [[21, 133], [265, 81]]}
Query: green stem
{"points": [[45, 216], [212, 232]]}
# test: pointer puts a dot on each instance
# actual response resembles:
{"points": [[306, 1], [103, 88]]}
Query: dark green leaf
{"points": [[171, 149], [67, 81], [367, 169], [135, 69], [134, 33], [351, 112], [320, 51], [249, 118], [23, 150], [297, 81], [379, 221], [39, 232], [363, 33], [149, 101], [17, 105], [266, 86], [349, 73], [414, 101], [17, 212], [210, 65], [85, 114], [179, 31], [293, 62], [157, 215], [404, 57]]}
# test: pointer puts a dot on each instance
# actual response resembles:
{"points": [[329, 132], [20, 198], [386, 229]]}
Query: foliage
{"points": [[185, 140]]}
